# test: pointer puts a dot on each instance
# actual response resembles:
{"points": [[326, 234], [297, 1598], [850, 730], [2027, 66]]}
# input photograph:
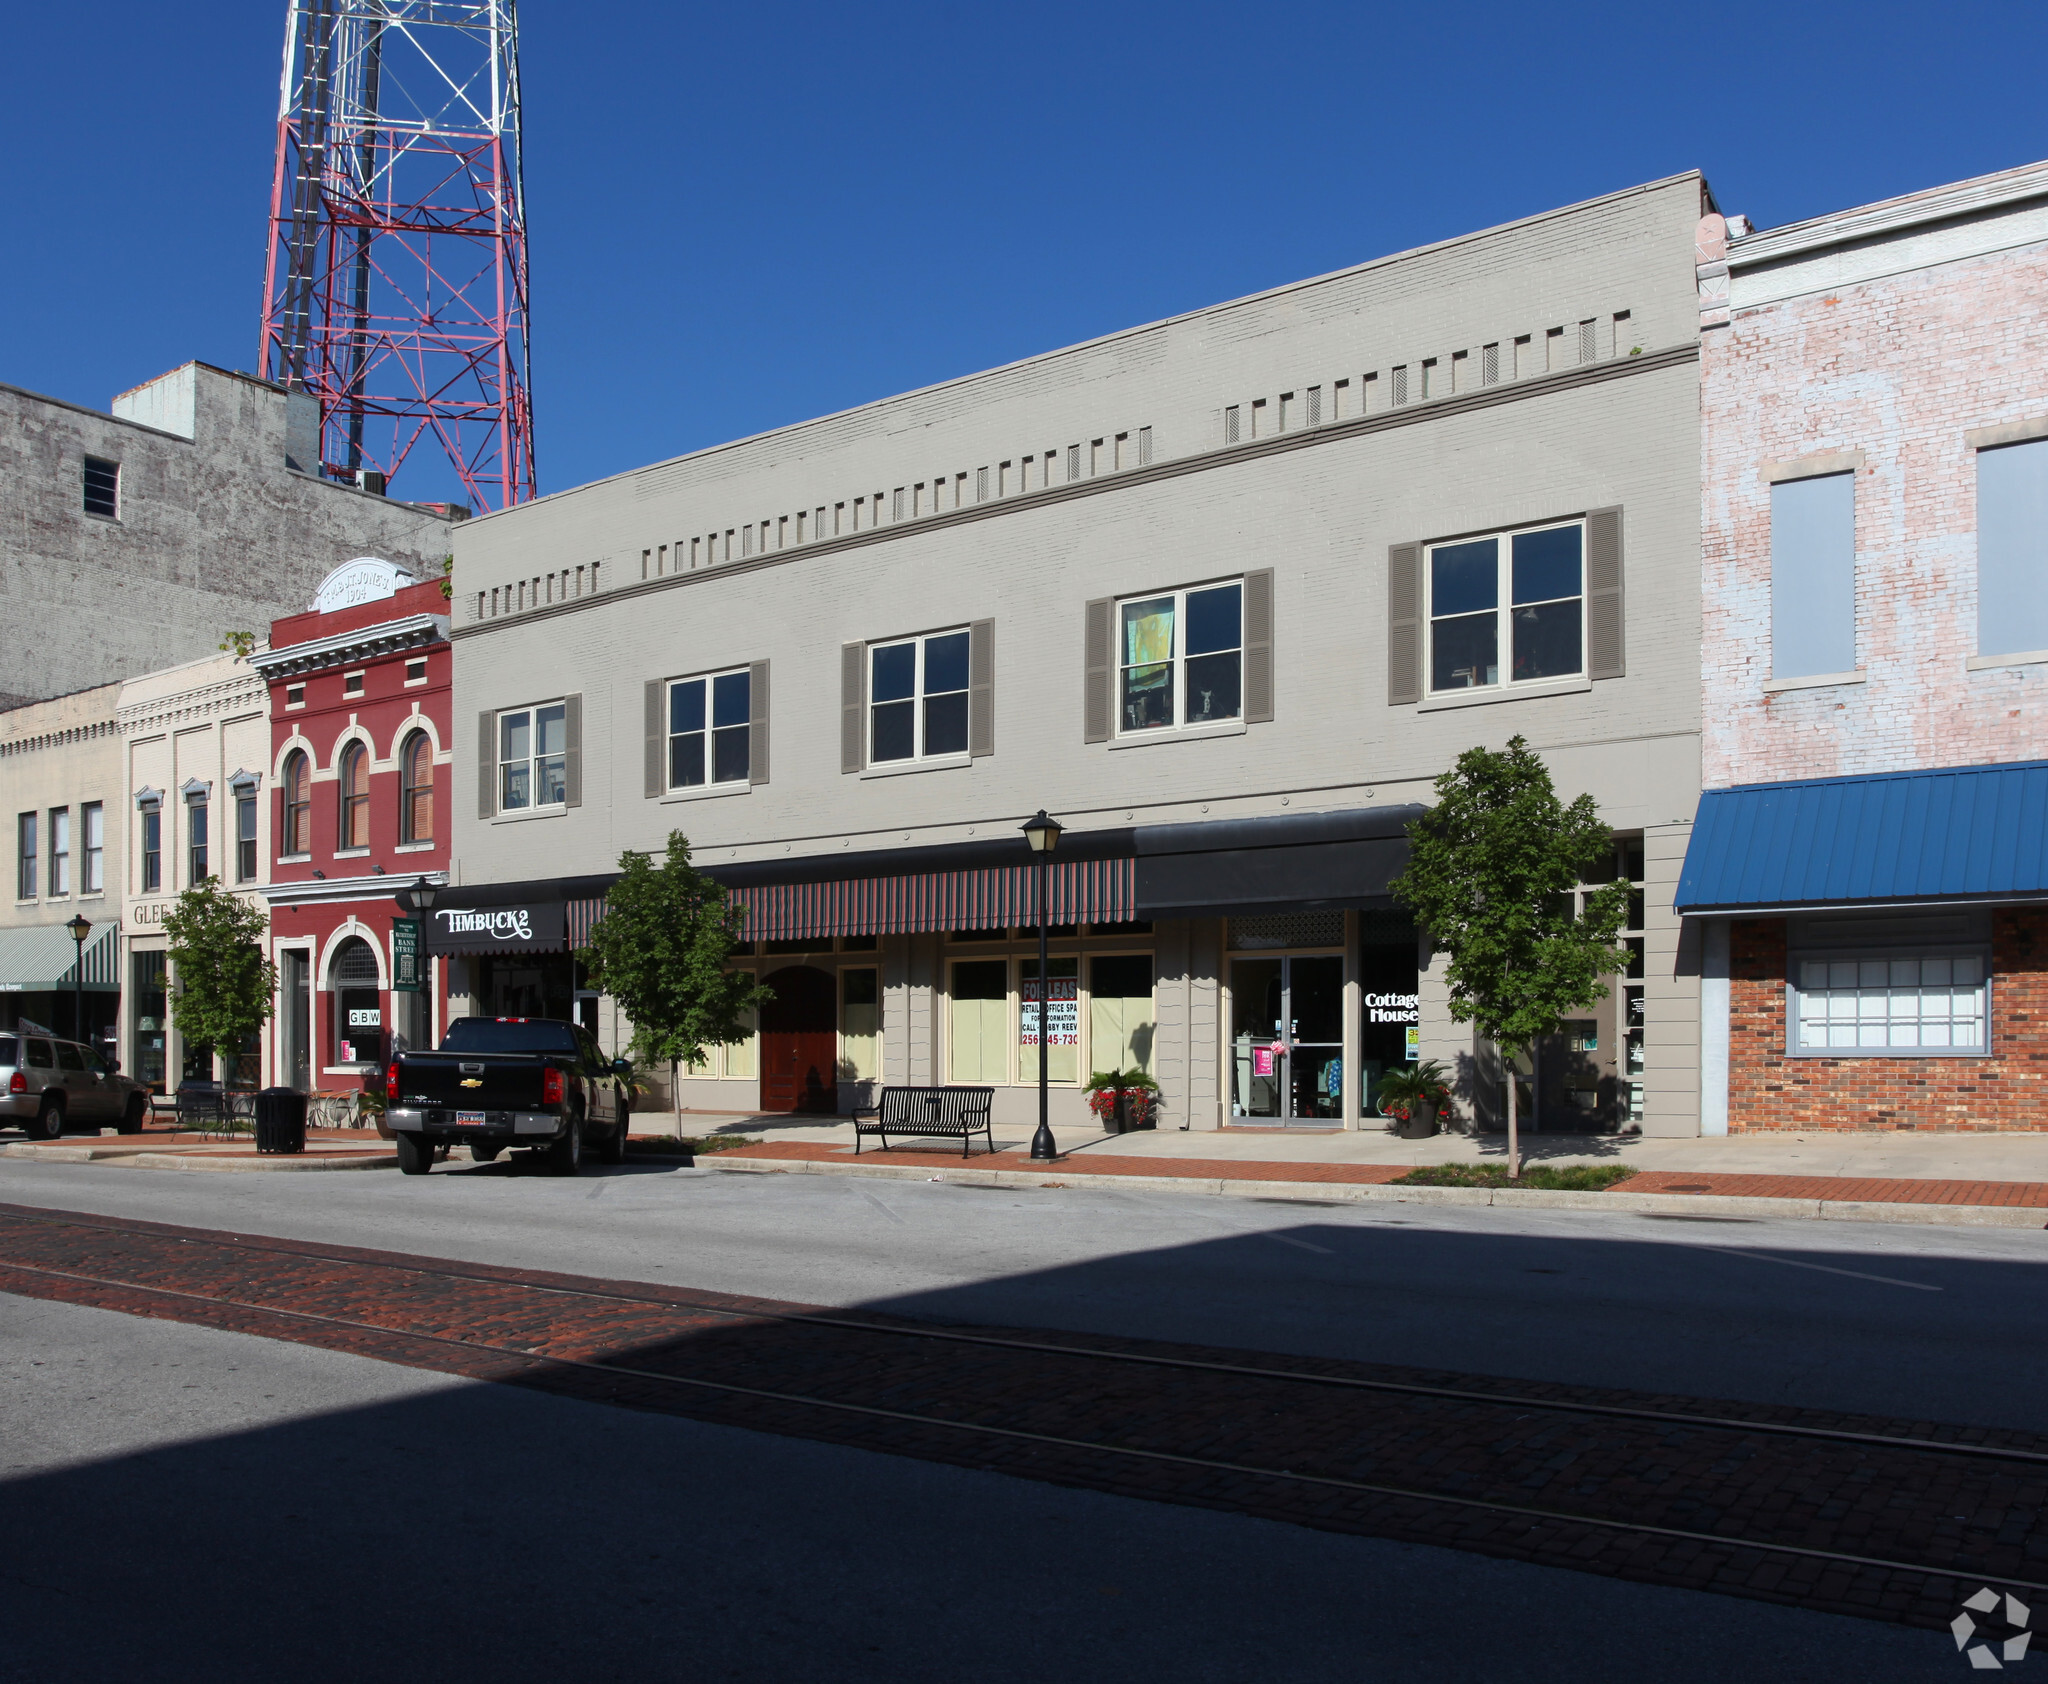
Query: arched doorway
{"points": [[800, 1042]]}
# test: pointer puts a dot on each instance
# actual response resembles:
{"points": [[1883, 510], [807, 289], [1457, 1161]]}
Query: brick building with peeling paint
{"points": [[1868, 872]]}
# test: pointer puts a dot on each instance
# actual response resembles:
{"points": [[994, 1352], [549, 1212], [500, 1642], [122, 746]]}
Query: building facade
{"points": [[194, 752], [196, 508], [1224, 594], [60, 765], [1868, 872], [359, 768]]}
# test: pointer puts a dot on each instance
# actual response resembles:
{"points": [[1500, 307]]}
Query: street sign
{"points": [[405, 956]]}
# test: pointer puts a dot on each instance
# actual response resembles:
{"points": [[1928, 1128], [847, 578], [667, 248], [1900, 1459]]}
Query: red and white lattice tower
{"points": [[395, 289]]}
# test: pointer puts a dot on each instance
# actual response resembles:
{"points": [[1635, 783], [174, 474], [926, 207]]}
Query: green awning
{"points": [[44, 960]]}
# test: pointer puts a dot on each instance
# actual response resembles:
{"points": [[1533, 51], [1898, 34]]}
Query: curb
{"points": [[1733, 1207], [229, 1166]]}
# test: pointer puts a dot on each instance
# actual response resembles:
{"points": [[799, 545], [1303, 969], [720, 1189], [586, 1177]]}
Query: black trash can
{"points": [[280, 1120]]}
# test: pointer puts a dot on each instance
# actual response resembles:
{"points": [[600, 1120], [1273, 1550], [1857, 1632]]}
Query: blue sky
{"points": [[743, 216]]}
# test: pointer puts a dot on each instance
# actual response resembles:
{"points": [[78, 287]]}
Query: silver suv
{"points": [[47, 1084]]}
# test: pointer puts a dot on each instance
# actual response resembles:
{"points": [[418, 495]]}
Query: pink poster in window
{"points": [[1265, 1059]]}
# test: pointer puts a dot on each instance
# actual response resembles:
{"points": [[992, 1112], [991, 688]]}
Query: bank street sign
{"points": [[405, 956]]}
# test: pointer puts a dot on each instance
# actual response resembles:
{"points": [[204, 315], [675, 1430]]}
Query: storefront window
{"points": [[741, 1061], [1120, 1022], [978, 1022], [358, 1004], [1063, 1021], [146, 972], [859, 1025]]}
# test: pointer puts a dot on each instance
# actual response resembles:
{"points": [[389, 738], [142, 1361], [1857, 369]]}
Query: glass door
{"points": [[1286, 1037]]}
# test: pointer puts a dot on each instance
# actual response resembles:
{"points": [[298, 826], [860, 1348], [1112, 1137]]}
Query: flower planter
{"points": [[1420, 1123]]}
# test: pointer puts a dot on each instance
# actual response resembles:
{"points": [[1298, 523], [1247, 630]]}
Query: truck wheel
{"points": [[415, 1154], [483, 1154], [565, 1156], [613, 1148], [131, 1119], [49, 1124]]}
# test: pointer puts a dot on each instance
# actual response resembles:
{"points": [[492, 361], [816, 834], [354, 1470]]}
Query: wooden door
{"points": [[800, 1042]]}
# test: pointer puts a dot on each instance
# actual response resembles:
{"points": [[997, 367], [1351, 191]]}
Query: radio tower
{"points": [[395, 288]]}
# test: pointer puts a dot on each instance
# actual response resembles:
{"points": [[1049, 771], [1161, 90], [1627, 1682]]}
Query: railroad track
{"points": [[1071, 1410]]}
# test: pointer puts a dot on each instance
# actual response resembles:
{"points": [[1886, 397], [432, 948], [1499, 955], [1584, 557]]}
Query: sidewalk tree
{"points": [[225, 988], [660, 951], [1494, 870]]}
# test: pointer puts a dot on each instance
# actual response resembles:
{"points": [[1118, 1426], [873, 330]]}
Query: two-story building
{"points": [[194, 741], [1223, 594], [358, 759], [1870, 865]]}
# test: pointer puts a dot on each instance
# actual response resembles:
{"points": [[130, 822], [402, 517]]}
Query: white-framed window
{"points": [[709, 735], [1180, 658], [1896, 1005], [60, 851], [1508, 608], [93, 817], [917, 697], [533, 757], [26, 878]]}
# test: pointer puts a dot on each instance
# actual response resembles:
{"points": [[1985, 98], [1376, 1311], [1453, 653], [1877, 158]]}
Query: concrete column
{"points": [[1713, 939], [1354, 1009]]}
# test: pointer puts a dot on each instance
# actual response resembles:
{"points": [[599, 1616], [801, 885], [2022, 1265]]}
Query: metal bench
{"points": [[947, 1112]]}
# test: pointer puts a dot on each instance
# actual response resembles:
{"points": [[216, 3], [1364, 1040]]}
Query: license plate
{"points": [[469, 1117]]}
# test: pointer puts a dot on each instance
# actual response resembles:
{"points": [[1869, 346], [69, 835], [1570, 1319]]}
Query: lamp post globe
{"points": [[1043, 835]]}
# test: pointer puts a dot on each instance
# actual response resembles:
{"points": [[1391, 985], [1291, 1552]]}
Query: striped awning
{"points": [[1077, 891], [44, 960]]}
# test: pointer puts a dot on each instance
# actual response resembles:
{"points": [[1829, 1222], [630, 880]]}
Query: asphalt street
{"points": [[191, 1503]]}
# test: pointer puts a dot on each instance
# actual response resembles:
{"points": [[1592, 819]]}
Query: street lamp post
{"points": [[79, 928], [1043, 834]]}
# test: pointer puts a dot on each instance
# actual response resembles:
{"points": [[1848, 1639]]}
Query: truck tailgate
{"points": [[471, 1081]]}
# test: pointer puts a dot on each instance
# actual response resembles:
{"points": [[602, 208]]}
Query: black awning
{"points": [[1307, 862]]}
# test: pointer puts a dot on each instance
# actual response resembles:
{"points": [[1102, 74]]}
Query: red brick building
{"points": [[361, 753], [1867, 879]]}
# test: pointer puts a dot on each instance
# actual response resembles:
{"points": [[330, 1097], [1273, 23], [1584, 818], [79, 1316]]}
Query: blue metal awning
{"points": [[1955, 833]]}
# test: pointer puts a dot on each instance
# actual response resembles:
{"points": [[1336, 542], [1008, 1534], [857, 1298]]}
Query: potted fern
{"points": [[1414, 1096], [1123, 1099]]}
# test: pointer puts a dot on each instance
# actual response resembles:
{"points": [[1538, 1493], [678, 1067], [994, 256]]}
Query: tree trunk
{"points": [[675, 1094], [1514, 1139]]}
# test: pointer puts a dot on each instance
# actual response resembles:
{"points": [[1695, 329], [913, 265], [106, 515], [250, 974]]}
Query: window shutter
{"points": [[1101, 676], [852, 692], [757, 723], [1404, 623], [486, 764], [572, 751], [1258, 646], [1605, 641], [981, 687], [657, 739]]}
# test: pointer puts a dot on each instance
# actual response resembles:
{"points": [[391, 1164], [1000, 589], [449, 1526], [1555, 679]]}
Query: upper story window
{"points": [[93, 876], [1813, 576], [245, 834], [60, 850], [416, 670], [351, 684], [198, 867], [27, 874], [152, 848], [298, 804], [709, 733], [1507, 608], [102, 487], [416, 788], [355, 796], [1180, 658], [917, 697], [533, 757], [294, 695], [2012, 548]]}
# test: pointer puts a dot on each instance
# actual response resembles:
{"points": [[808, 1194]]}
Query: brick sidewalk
{"points": [[1858, 1189]]}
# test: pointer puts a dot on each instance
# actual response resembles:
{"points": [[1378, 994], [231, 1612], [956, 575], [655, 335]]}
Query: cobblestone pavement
{"points": [[1292, 1443]]}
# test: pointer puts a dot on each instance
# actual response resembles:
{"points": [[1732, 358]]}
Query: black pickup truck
{"points": [[496, 1082]]}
